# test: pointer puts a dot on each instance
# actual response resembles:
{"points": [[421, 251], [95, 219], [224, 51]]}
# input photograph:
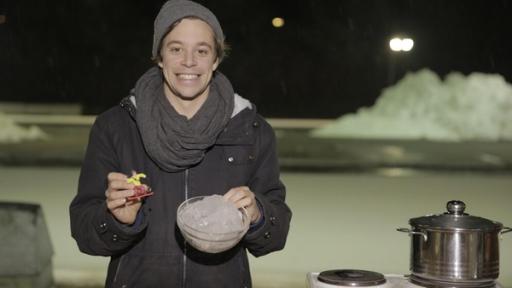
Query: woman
{"points": [[186, 129]]}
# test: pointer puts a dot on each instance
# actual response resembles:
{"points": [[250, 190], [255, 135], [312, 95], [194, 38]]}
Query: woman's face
{"points": [[188, 59]]}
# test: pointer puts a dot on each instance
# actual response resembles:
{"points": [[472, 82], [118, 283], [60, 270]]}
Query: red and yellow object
{"points": [[141, 190]]}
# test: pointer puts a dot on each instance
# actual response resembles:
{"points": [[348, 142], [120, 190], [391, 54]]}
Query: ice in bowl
{"points": [[211, 224]]}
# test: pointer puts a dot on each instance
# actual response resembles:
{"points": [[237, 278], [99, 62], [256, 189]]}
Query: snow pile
{"points": [[12, 133], [421, 105]]}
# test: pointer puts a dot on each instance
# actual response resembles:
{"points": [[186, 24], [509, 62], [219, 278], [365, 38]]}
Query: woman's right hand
{"points": [[117, 203]]}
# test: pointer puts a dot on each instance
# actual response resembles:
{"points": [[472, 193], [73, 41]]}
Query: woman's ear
{"points": [[216, 64]]}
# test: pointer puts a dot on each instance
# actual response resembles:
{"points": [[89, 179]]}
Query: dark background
{"points": [[330, 58]]}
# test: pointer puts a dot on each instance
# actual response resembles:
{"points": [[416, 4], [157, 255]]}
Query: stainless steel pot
{"points": [[454, 249]]}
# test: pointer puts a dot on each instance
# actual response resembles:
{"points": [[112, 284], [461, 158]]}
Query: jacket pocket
{"points": [[239, 155], [238, 162]]}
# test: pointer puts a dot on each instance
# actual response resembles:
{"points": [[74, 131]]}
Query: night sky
{"points": [[330, 58]]}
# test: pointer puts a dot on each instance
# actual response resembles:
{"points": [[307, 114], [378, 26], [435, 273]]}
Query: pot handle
{"points": [[505, 230], [410, 232]]}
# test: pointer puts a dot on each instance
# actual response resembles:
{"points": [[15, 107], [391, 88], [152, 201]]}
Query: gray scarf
{"points": [[172, 141]]}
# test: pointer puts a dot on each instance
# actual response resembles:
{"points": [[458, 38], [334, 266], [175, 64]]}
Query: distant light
{"points": [[278, 22], [399, 44], [395, 44], [407, 44], [3, 19]]}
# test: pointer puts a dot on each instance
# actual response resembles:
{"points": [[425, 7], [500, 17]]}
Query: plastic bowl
{"points": [[210, 242]]}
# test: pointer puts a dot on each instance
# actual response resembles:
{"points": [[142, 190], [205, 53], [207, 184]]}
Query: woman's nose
{"points": [[189, 59]]}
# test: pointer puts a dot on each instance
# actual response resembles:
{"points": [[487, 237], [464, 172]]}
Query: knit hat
{"points": [[175, 10]]}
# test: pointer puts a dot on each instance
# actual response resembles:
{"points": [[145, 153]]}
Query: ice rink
{"points": [[340, 220]]}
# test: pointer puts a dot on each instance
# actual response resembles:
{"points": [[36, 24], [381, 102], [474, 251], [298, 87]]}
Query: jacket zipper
{"points": [[184, 241], [118, 268]]}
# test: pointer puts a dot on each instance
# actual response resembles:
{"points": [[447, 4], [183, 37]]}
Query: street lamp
{"points": [[401, 44], [397, 45], [278, 22]]}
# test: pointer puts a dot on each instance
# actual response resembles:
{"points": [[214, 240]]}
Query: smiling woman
{"points": [[188, 60], [180, 125]]}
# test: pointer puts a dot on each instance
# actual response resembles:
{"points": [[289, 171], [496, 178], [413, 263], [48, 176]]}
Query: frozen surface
{"points": [[10, 132], [340, 220], [423, 106], [213, 215]]}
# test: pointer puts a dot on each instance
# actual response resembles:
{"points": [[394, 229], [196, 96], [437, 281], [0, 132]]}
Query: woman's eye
{"points": [[203, 52], [175, 50]]}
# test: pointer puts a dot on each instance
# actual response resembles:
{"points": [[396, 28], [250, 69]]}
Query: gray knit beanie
{"points": [[175, 10]]}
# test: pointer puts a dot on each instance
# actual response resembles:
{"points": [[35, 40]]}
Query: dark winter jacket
{"points": [[153, 253]]}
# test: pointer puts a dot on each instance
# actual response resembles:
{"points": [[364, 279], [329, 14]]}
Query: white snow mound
{"points": [[422, 106], [10, 132]]}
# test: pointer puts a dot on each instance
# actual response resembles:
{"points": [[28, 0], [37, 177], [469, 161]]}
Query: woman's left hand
{"points": [[243, 197]]}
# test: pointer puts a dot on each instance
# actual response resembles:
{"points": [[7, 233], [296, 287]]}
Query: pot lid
{"points": [[353, 278], [455, 218]]}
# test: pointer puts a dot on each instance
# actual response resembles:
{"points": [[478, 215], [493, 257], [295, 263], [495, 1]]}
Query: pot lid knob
{"points": [[456, 207]]}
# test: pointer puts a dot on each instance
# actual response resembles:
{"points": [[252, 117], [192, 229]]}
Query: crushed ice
{"points": [[213, 214]]}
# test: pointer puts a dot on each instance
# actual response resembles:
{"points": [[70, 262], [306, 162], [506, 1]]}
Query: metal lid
{"points": [[354, 278], [455, 218]]}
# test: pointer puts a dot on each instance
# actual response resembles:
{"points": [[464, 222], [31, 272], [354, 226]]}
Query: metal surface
{"points": [[429, 283], [392, 281], [455, 219], [454, 255], [506, 230], [410, 232], [456, 207], [351, 277]]}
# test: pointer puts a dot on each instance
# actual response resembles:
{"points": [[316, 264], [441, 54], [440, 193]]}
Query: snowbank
{"points": [[12, 133], [422, 106]]}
